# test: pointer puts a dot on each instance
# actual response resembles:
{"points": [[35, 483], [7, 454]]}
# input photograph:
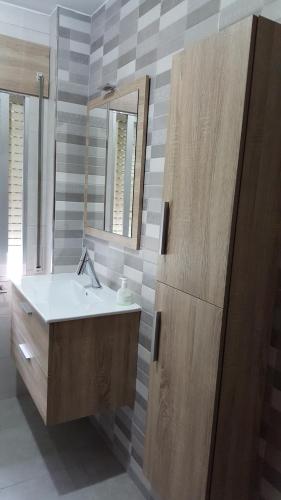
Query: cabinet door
{"points": [[181, 395], [204, 146]]}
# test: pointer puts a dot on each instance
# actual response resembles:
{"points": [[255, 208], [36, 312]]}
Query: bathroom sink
{"points": [[61, 297], [78, 291], [66, 337]]}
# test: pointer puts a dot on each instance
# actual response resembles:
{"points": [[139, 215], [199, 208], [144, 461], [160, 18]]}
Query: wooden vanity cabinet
{"points": [[218, 275], [75, 368]]}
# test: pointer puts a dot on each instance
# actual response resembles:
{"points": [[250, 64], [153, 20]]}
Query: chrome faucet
{"points": [[85, 261]]}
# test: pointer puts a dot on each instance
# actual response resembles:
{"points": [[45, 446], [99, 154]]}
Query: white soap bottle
{"points": [[124, 295]]}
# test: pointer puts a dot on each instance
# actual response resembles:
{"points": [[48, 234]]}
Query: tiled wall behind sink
{"points": [[131, 38], [73, 48], [128, 40]]}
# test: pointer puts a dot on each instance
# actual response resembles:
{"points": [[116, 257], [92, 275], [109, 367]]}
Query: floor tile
{"points": [[69, 460], [8, 378]]}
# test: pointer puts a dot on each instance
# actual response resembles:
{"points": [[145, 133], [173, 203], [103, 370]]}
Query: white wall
{"points": [[33, 27], [24, 24]]}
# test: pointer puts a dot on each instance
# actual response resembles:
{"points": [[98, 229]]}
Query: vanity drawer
{"points": [[34, 331], [75, 368], [31, 373]]}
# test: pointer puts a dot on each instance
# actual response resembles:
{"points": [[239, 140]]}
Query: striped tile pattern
{"points": [[131, 38], [73, 48]]}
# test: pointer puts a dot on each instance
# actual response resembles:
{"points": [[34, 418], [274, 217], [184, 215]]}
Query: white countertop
{"points": [[62, 297]]}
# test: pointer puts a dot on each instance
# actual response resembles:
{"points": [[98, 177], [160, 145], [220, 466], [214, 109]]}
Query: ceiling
{"points": [[47, 6]]}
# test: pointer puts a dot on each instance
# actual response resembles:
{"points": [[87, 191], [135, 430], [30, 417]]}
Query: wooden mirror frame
{"points": [[142, 86]]}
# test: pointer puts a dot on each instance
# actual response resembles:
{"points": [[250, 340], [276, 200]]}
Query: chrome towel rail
{"points": [[40, 79]]}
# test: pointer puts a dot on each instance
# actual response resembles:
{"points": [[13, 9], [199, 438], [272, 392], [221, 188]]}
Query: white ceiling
{"points": [[47, 6]]}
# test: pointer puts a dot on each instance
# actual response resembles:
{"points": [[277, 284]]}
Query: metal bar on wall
{"points": [[40, 79], [27, 116]]}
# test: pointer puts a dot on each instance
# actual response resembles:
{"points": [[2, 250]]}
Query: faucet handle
{"points": [[86, 259], [82, 261]]}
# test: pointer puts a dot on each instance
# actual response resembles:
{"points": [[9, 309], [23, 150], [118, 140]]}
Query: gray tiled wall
{"points": [[73, 47], [124, 40], [130, 38]]}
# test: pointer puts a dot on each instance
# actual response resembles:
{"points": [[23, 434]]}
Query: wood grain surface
{"points": [[208, 91], [253, 280], [19, 63], [142, 87], [181, 395]]}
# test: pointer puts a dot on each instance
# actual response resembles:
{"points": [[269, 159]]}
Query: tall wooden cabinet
{"points": [[218, 271]]}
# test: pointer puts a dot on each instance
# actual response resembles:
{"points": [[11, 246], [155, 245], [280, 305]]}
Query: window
{"points": [[15, 180], [125, 163]]}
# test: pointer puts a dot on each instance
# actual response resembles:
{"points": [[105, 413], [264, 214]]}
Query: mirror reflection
{"points": [[97, 153], [111, 164]]}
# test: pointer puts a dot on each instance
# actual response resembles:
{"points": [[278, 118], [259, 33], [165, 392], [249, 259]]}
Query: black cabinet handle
{"points": [[156, 336], [164, 228]]}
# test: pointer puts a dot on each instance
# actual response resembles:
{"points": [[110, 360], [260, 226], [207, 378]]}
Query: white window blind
{"points": [[15, 198], [118, 206], [119, 181], [133, 160]]}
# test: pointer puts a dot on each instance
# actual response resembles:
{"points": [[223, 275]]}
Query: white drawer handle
{"points": [[25, 351], [26, 308]]}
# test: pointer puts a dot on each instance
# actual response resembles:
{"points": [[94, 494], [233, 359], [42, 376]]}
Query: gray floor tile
{"points": [[43, 488], [8, 379], [70, 460]]}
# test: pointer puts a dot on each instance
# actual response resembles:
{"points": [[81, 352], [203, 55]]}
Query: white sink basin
{"points": [[61, 297]]}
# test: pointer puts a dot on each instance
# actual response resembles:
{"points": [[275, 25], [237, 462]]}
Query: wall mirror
{"points": [[115, 164]]}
